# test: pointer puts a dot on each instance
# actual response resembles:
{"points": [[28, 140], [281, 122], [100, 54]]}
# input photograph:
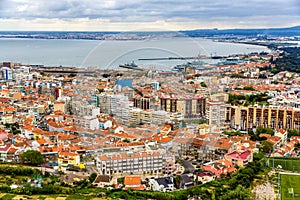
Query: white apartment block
{"points": [[82, 109], [216, 113], [87, 122], [130, 163], [116, 104], [120, 106], [160, 117]]}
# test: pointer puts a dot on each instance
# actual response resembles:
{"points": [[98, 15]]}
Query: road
{"points": [[187, 166]]}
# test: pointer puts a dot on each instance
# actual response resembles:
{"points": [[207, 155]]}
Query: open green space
{"points": [[289, 187], [289, 164]]}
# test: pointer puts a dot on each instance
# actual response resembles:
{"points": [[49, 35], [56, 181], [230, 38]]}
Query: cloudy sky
{"points": [[137, 15]]}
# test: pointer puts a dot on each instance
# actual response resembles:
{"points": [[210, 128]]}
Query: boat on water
{"points": [[131, 65], [231, 61], [196, 63]]}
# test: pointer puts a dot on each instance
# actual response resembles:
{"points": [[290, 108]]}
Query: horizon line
{"points": [[153, 31]]}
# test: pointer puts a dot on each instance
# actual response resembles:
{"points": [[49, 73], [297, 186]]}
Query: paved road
{"points": [[187, 166]]}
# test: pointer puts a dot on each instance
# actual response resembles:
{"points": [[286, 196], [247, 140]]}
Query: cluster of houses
{"points": [[136, 130]]}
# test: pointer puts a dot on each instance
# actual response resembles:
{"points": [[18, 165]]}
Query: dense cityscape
{"points": [[149, 100], [120, 133]]}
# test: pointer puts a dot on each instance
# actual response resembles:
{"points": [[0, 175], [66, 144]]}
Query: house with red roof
{"points": [[219, 167], [240, 157], [133, 182]]}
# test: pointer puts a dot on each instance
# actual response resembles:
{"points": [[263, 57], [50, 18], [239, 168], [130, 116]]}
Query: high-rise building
{"points": [[216, 113], [189, 106], [156, 85], [7, 73]]}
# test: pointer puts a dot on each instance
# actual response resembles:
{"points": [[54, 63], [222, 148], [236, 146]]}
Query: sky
{"points": [[146, 15]]}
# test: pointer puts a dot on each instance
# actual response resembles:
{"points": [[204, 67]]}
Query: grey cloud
{"points": [[147, 10]]}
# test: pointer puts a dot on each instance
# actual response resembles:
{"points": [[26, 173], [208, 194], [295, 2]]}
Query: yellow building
{"points": [[68, 158], [37, 134], [203, 129], [214, 80], [60, 106]]}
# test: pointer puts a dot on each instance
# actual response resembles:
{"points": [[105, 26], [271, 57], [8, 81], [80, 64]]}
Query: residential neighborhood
{"points": [[157, 131]]}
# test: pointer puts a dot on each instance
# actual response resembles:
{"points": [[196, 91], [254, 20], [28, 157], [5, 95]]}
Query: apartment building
{"points": [[216, 113], [120, 106], [104, 102], [145, 103], [87, 110], [116, 104], [245, 118], [130, 162], [160, 117], [134, 116], [189, 106]]}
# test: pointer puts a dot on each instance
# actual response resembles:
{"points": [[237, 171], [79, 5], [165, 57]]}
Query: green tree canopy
{"points": [[293, 132], [32, 157], [267, 130], [239, 193], [266, 146], [92, 177], [203, 84]]}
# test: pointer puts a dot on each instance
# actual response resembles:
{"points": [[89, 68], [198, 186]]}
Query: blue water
{"points": [[109, 54]]}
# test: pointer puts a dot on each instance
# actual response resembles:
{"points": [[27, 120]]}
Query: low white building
{"points": [[282, 134], [130, 162]]}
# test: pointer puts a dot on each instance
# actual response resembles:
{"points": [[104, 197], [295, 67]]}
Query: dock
{"points": [[186, 58]]}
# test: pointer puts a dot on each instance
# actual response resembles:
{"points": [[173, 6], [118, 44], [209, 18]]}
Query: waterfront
{"points": [[108, 54]]}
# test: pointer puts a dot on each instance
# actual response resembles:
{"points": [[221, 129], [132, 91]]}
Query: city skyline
{"points": [[144, 15]]}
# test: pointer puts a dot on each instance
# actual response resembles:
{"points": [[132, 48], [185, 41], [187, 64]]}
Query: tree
{"points": [[92, 177], [32, 157], [258, 156], [250, 132], [293, 132], [267, 130], [177, 181], [266, 146], [105, 75], [239, 193], [100, 90], [203, 84], [297, 146], [248, 88]]}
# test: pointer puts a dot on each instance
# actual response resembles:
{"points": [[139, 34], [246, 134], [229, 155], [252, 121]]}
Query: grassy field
{"points": [[290, 165], [289, 187]]}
